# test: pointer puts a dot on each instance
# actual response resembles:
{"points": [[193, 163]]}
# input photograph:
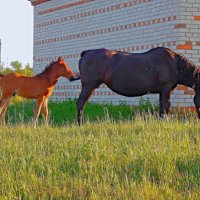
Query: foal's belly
{"points": [[32, 93]]}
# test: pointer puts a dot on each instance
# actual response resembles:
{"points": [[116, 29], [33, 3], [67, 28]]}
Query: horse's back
{"points": [[156, 58], [130, 74], [108, 54]]}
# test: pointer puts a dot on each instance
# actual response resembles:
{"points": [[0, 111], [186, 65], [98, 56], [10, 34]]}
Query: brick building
{"points": [[67, 27]]}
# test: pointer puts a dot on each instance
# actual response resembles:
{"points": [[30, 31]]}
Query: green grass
{"points": [[64, 113], [113, 156]]}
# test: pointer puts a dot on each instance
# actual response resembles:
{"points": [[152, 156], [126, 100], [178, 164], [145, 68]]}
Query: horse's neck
{"points": [[187, 77], [186, 71]]}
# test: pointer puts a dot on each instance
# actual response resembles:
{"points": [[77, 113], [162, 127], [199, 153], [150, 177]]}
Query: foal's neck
{"points": [[52, 77]]}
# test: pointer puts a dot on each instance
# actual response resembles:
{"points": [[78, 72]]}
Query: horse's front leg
{"points": [[164, 101], [197, 104], [198, 111], [39, 103], [86, 92]]}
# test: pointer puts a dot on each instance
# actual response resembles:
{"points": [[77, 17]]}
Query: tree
{"points": [[17, 66], [28, 71], [1, 67], [7, 70]]}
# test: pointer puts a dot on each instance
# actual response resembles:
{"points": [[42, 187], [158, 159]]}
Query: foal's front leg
{"points": [[39, 103], [45, 111]]}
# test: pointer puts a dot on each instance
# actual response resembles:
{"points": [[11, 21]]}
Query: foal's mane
{"points": [[47, 69]]}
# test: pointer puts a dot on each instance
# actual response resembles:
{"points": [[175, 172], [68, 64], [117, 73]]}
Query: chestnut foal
{"points": [[38, 87]]}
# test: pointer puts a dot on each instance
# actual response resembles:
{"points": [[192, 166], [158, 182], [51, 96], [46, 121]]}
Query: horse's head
{"points": [[64, 70], [196, 87]]}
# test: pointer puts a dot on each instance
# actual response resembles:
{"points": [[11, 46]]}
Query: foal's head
{"points": [[62, 69]]}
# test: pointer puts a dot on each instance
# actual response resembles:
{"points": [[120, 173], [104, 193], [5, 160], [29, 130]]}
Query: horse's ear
{"points": [[60, 60]]}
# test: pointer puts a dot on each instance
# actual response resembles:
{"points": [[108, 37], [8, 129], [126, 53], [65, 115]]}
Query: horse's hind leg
{"points": [[86, 92], [165, 101]]}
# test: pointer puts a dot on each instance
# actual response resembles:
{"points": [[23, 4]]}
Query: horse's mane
{"points": [[185, 63], [47, 69]]}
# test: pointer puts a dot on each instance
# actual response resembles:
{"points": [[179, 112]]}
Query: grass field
{"points": [[64, 113], [120, 153]]}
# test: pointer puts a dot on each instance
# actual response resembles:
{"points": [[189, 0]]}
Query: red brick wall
{"points": [[69, 27]]}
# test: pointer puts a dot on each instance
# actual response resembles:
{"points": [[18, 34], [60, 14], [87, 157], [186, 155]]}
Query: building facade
{"points": [[68, 27]]}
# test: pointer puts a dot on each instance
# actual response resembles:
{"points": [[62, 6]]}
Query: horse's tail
{"points": [[84, 52], [77, 77]]}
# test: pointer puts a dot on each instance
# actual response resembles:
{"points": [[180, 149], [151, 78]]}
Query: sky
{"points": [[16, 31]]}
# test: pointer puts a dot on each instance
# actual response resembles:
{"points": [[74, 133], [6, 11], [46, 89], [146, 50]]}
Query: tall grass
{"points": [[63, 113], [120, 157]]}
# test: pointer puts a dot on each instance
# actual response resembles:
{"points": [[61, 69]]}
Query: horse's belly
{"points": [[134, 89], [131, 92], [128, 80]]}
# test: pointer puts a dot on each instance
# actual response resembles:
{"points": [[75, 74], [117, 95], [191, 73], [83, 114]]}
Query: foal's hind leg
{"points": [[165, 101], [86, 92], [2, 105], [3, 108]]}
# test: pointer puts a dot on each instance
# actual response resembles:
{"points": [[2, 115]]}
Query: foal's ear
{"points": [[60, 60]]}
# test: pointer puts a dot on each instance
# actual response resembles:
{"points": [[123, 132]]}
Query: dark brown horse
{"points": [[134, 74]]}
